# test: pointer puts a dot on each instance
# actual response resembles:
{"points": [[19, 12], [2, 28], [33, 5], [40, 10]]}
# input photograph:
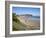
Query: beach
{"points": [[30, 24]]}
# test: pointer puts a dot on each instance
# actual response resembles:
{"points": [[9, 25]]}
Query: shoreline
{"points": [[30, 24]]}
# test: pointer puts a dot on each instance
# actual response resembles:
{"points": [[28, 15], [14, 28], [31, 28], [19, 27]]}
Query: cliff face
{"points": [[24, 18]]}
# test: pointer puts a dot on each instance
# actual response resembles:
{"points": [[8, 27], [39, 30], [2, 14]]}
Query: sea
{"points": [[34, 18]]}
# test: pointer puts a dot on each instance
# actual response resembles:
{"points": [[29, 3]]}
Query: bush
{"points": [[15, 18]]}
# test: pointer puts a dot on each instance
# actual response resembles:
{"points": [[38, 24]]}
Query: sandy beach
{"points": [[30, 24]]}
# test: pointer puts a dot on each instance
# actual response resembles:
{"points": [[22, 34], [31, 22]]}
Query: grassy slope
{"points": [[17, 25]]}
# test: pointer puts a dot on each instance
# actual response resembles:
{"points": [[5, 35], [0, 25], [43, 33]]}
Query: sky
{"points": [[26, 10]]}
